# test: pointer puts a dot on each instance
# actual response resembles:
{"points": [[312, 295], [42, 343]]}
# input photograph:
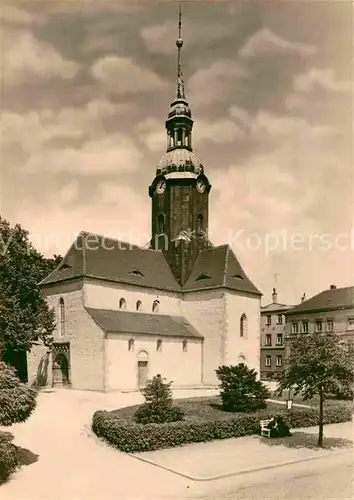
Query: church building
{"points": [[181, 307]]}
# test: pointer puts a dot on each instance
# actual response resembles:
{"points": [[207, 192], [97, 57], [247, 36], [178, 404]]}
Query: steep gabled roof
{"points": [[142, 323], [218, 267], [332, 299], [95, 256]]}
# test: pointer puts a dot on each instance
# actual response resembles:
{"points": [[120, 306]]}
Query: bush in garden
{"points": [[8, 458], [132, 437], [17, 400], [239, 389], [158, 407]]}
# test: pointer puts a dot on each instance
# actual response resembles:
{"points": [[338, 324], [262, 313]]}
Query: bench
{"points": [[264, 427]]}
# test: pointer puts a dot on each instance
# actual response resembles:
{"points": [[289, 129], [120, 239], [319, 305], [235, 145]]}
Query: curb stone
{"points": [[242, 471]]}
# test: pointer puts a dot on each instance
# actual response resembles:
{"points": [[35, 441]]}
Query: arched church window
{"points": [[179, 137], [138, 305], [131, 344], [200, 220], [184, 345], [122, 303], [62, 317], [161, 224], [243, 326], [155, 305], [159, 345]]}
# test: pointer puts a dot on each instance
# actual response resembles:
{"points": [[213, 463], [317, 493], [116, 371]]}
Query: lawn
{"points": [[197, 409], [315, 401]]}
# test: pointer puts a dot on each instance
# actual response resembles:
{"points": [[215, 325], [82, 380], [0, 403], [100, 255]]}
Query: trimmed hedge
{"points": [[9, 461], [133, 437]]}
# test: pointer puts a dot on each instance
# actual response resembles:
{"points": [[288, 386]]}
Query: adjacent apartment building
{"points": [[272, 337], [329, 311]]}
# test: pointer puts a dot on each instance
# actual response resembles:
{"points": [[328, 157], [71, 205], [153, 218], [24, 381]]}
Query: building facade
{"points": [[272, 339], [331, 310], [181, 307]]}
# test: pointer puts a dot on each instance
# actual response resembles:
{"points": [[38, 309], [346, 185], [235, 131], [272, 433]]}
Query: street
{"points": [[322, 479]]}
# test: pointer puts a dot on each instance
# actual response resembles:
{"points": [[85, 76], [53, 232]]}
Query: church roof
{"points": [[95, 256], [180, 160], [143, 323], [218, 267], [331, 299], [275, 307]]}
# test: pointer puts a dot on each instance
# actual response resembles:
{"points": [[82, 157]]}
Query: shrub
{"points": [[239, 389], [133, 437], [8, 458], [157, 408], [17, 400]]}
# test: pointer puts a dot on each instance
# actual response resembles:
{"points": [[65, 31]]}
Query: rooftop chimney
{"points": [[274, 296], [303, 298], [332, 287]]}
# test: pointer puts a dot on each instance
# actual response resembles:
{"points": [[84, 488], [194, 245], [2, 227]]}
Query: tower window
{"points": [[243, 326], [62, 317], [179, 137], [122, 303], [161, 224], [131, 345], [155, 306], [159, 345], [138, 305], [200, 220], [184, 345]]}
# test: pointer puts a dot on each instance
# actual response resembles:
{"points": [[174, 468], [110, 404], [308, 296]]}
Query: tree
{"points": [[317, 366], [239, 389], [158, 407], [24, 315]]}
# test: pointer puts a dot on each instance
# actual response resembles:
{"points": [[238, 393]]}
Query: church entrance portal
{"points": [[61, 365], [143, 368]]}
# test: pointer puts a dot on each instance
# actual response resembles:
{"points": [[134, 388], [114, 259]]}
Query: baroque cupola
{"points": [[179, 156], [180, 190]]}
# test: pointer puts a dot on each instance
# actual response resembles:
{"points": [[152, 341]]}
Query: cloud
{"points": [[216, 131], [69, 193], [53, 227], [72, 140], [114, 154], [152, 134], [120, 75], [265, 43], [212, 84], [323, 78], [264, 124], [10, 14], [29, 60], [160, 38]]}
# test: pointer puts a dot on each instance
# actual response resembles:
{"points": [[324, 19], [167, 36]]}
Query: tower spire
{"points": [[179, 42]]}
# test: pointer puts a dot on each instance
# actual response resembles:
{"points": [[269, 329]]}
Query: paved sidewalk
{"points": [[65, 461], [227, 457]]}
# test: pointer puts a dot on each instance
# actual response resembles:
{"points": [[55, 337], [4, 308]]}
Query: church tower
{"points": [[180, 190]]}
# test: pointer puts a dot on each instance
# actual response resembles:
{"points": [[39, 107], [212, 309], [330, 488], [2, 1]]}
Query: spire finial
{"points": [[179, 43]]}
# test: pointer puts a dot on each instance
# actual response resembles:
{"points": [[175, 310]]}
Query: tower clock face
{"points": [[160, 187], [201, 186]]}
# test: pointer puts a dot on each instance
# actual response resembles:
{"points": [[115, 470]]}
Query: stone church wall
{"points": [[85, 337], [236, 346], [39, 366], [206, 311], [182, 368], [103, 295]]}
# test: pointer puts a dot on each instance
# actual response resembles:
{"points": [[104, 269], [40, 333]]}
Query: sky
{"points": [[86, 87]]}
